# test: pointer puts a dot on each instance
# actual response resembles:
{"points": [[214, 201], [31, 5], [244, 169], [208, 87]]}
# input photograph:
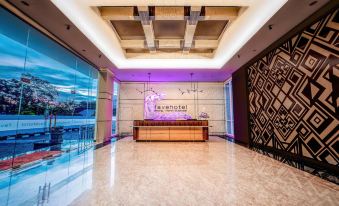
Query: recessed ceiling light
{"points": [[25, 3], [312, 3], [68, 27], [99, 55], [270, 27]]}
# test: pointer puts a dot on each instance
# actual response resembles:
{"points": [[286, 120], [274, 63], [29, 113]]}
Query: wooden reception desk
{"points": [[178, 130]]}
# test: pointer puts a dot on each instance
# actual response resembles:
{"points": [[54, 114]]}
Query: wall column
{"points": [[103, 127], [240, 106]]}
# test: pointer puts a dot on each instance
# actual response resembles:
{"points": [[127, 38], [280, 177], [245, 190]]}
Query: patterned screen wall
{"points": [[294, 98]]}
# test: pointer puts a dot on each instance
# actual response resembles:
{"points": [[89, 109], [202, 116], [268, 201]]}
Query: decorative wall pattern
{"points": [[294, 97]]}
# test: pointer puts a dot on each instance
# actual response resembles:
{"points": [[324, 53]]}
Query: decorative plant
{"points": [[204, 115]]}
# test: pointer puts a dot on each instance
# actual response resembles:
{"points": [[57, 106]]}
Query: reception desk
{"points": [[178, 130]]}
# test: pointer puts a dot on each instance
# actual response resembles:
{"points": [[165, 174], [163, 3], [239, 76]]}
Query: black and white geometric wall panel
{"points": [[294, 97]]}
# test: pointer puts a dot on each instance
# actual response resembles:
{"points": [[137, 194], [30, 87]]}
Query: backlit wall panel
{"points": [[210, 101]]}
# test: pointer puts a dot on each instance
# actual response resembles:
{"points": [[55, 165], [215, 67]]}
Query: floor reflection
{"points": [[217, 172], [199, 173]]}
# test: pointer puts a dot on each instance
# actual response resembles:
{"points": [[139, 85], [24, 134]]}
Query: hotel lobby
{"points": [[185, 102]]}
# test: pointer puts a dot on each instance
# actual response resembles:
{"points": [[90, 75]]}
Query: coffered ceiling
{"points": [[169, 31], [177, 34]]}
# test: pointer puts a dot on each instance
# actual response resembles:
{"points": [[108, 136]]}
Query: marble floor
{"points": [[217, 172]]}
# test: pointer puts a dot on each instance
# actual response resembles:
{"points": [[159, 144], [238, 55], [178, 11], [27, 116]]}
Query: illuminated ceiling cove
{"points": [[180, 34]]}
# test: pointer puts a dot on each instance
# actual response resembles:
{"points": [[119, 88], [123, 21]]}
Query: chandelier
{"points": [[193, 89], [148, 88]]}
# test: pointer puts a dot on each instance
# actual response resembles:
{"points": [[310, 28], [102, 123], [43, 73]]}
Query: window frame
{"points": [[228, 87]]}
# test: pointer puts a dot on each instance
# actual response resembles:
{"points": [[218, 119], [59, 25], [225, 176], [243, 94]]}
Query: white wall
{"points": [[211, 101]]}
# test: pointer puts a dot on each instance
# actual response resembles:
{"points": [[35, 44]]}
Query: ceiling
{"points": [[91, 17], [169, 31], [66, 29]]}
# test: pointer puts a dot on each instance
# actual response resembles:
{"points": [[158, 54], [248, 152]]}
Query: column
{"points": [[103, 127], [240, 106]]}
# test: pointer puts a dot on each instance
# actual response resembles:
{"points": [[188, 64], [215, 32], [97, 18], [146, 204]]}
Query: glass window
{"points": [[229, 108], [47, 114], [115, 103], [47, 94]]}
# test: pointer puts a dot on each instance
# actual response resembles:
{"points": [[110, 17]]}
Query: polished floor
{"points": [[125, 172], [213, 173]]}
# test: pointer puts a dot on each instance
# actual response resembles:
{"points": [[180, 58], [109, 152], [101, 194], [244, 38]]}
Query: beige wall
{"points": [[103, 127], [211, 101]]}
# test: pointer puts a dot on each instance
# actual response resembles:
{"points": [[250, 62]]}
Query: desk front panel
{"points": [[170, 130]]}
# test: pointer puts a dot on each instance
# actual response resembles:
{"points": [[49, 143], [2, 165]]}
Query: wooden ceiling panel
{"points": [[193, 50], [129, 29], [138, 51], [170, 50], [210, 29], [169, 29]]}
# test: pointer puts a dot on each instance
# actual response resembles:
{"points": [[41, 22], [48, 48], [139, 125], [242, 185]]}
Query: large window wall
{"points": [[229, 108], [47, 109], [47, 94]]}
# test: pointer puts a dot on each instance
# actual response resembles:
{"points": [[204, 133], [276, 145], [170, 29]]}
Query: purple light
{"points": [[172, 75], [172, 116], [151, 113]]}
